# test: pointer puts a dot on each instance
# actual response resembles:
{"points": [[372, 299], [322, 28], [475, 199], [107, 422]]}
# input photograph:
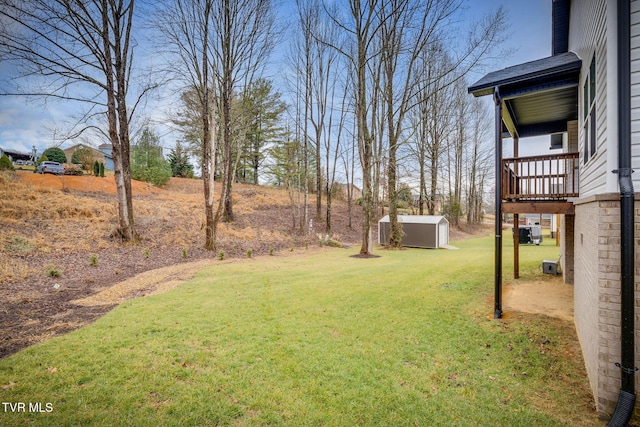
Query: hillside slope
{"points": [[58, 243]]}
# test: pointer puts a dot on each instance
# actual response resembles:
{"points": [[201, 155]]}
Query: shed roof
{"points": [[540, 96], [417, 219]]}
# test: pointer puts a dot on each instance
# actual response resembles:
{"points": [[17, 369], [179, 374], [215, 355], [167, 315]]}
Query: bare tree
{"points": [[244, 34], [186, 26], [81, 51], [389, 48], [221, 45], [479, 160], [432, 121], [302, 61], [407, 28], [458, 140], [348, 155], [417, 148], [360, 25], [320, 60], [332, 163]]}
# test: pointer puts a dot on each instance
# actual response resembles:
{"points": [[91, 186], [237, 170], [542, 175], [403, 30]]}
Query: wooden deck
{"points": [[540, 184]]}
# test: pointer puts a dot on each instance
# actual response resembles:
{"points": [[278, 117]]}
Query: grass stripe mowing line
{"points": [[319, 339]]}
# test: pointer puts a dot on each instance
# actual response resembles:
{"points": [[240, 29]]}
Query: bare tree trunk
{"points": [[327, 227], [422, 179], [187, 27], [117, 107], [208, 174], [349, 170], [225, 207], [363, 22]]}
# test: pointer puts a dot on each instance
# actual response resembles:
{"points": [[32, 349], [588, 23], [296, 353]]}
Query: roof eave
{"points": [[487, 84]]}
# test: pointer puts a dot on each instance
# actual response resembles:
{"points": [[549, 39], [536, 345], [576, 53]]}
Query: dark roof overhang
{"points": [[540, 97]]}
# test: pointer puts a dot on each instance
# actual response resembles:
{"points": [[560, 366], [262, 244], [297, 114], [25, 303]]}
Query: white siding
{"points": [[587, 39], [597, 35]]}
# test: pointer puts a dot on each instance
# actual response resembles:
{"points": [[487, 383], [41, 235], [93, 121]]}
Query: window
{"points": [[589, 113]]}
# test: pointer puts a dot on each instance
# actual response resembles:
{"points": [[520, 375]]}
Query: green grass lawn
{"points": [[317, 339]]}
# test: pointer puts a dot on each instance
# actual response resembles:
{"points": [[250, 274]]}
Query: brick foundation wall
{"points": [[567, 251], [597, 294]]}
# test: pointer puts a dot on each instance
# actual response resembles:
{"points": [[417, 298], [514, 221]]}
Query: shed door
{"points": [[443, 233]]}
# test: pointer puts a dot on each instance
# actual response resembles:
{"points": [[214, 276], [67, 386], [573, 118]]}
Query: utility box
{"points": [[549, 267]]}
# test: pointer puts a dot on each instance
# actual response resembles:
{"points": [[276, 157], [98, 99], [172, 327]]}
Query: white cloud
{"points": [[23, 126]]}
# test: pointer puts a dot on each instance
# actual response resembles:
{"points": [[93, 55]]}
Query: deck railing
{"points": [[540, 178]]}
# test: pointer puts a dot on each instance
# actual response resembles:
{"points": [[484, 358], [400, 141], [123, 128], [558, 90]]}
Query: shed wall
{"points": [[417, 235], [420, 235]]}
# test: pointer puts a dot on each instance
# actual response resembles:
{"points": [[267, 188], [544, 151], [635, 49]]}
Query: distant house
{"points": [[586, 97], [343, 188], [437, 202], [102, 154], [15, 155]]}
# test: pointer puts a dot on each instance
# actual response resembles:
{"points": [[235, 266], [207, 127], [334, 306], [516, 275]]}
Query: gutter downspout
{"points": [[498, 201], [627, 397]]}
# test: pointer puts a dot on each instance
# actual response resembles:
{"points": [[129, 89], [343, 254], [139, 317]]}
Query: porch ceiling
{"points": [[539, 97]]}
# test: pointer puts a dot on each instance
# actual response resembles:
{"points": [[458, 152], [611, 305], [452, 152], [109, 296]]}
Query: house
{"points": [[102, 154], [437, 202], [341, 190], [16, 155], [582, 96]]}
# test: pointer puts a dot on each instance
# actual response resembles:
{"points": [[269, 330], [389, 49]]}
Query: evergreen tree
{"points": [[5, 163], [260, 109], [179, 162], [55, 154], [147, 162]]}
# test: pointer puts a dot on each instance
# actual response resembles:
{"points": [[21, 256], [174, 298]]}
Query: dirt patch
{"points": [[551, 297], [365, 256], [147, 283], [83, 183]]}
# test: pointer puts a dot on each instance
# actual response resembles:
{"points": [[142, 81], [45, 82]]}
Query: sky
{"points": [[28, 123]]}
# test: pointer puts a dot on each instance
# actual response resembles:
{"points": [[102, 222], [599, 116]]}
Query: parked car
{"points": [[50, 167]]}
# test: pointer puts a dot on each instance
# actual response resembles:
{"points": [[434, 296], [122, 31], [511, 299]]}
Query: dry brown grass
{"points": [[59, 243], [43, 216], [15, 269]]}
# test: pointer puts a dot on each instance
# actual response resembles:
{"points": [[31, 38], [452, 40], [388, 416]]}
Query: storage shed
{"points": [[420, 231]]}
